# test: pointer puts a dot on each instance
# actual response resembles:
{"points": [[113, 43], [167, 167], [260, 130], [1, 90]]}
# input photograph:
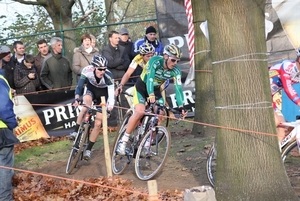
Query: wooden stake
{"points": [[152, 188], [105, 138]]}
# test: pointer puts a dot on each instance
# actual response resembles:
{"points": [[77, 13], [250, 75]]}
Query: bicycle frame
{"points": [[295, 133]]}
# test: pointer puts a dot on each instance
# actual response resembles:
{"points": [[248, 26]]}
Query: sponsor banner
{"points": [[47, 114]]}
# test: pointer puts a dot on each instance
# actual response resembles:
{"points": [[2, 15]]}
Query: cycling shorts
{"points": [[140, 93], [96, 93]]}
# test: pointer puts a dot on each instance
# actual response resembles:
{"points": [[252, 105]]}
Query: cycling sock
{"points": [[76, 128], [125, 137], [90, 145]]}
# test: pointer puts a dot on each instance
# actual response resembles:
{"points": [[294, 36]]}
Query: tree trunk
{"points": [[204, 96], [249, 166]]}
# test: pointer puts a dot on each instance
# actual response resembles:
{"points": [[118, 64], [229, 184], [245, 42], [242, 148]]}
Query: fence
{"points": [[136, 30]]}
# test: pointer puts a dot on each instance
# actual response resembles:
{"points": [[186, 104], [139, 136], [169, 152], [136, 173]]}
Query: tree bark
{"points": [[204, 95], [249, 166]]}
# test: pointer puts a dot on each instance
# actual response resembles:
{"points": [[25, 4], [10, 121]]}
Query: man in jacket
{"points": [[118, 60], [56, 70], [7, 138], [150, 37]]}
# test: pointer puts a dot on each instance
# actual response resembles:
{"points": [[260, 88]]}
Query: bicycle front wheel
{"points": [[150, 159], [119, 162], [77, 148], [211, 164], [291, 159]]}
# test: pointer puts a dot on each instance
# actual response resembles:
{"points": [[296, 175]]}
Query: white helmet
{"points": [[99, 61]]}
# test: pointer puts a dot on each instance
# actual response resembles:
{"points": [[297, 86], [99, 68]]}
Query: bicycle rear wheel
{"points": [[149, 161], [291, 159], [211, 164], [77, 148]]}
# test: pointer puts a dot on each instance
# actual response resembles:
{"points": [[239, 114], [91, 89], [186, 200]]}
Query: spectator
{"points": [[118, 60], [5, 60], [7, 138], [56, 70], [83, 55], [26, 77], [125, 41], [150, 37], [15, 60], [44, 51], [94, 42]]}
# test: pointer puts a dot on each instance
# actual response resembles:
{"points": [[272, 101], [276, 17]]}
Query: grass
{"points": [[35, 157]]}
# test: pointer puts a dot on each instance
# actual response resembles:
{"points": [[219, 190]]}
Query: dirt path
{"points": [[185, 167]]}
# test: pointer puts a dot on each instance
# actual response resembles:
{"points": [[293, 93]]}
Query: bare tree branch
{"points": [[71, 3], [36, 3], [125, 12], [85, 16], [81, 7]]}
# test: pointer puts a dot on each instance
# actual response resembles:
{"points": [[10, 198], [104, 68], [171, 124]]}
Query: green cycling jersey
{"points": [[154, 75]]}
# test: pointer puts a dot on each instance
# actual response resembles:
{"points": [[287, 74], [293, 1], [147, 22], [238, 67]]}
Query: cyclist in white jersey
{"points": [[99, 82]]}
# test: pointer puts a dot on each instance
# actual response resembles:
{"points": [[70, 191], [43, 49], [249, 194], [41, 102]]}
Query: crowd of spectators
{"points": [[50, 69]]}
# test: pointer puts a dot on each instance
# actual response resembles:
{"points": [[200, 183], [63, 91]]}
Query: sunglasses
{"points": [[175, 60], [101, 69]]}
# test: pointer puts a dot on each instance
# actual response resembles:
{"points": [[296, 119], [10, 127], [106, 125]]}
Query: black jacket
{"points": [[118, 60]]}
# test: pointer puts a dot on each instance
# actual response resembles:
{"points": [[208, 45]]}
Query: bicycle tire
{"points": [[149, 164], [77, 152], [291, 160], [211, 165], [119, 163]]}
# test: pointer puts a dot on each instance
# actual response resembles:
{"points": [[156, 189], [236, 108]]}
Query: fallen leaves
{"points": [[29, 186]]}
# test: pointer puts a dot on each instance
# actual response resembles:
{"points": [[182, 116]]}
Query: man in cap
{"points": [[7, 70], [150, 37], [126, 42]]}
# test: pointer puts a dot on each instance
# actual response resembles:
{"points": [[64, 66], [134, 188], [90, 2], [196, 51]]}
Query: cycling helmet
{"points": [[99, 61], [146, 48], [173, 50]]}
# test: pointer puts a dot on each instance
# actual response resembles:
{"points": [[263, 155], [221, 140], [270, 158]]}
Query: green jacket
{"points": [[56, 72]]}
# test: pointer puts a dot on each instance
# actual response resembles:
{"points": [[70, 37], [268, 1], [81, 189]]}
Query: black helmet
{"points": [[99, 61], [173, 50]]}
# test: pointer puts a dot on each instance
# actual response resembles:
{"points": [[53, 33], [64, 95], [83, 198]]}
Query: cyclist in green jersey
{"points": [[147, 88]]}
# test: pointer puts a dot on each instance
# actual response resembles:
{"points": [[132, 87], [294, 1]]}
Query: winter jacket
{"points": [[38, 62], [128, 48], [56, 72], [82, 59], [22, 82], [7, 115], [159, 48], [118, 60]]}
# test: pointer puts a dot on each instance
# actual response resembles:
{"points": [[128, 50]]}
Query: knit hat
{"points": [[4, 50], [150, 29], [123, 31]]}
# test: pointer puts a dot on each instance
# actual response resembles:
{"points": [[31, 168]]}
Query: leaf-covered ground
{"points": [[185, 168]]}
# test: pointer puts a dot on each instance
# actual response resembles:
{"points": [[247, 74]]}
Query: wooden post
{"points": [[105, 138], [152, 188]]}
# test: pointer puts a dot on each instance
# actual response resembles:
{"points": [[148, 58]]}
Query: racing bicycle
{"points": [[81, 141], [290, 154], [149, 160]]}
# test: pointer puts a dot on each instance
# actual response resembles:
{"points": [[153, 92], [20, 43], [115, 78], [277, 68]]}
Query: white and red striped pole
{"points": [[191, 35]]}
